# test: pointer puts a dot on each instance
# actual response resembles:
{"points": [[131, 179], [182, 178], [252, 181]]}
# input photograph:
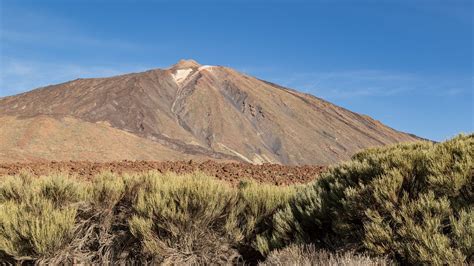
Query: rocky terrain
{"points": [[188, 111], [230, 172]]}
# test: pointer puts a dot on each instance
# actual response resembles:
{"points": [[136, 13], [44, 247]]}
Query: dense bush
{"points": [[147, 218], [412, 202], [34, 221], [186, 219], [196, 219]]}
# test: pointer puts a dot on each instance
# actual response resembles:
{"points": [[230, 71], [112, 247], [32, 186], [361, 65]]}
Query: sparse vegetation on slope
{"points": [[411, 203]]}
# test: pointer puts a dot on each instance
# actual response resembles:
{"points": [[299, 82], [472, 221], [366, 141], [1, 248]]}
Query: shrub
{"points": [[101, 234], [15, 188], [258, 203], [412, 202], [32, 223], [308, 255], [107, 190], [141, 218], [186, 219], [60, 190], [57, 219]]}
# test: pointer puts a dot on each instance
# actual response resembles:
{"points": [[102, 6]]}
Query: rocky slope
{"points": [[191, 111]]}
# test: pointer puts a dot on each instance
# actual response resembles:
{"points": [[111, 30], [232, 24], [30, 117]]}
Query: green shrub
{"points": [[37, 217], [462, 232], [186, 219], [257, 205], [35, 228], [107, 190], [145, 218], [15, 188], [61, 190], [412, 202]]}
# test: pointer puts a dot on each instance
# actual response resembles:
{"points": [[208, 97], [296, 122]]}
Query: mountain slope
{"points": [[211, 111], [47, 138]]}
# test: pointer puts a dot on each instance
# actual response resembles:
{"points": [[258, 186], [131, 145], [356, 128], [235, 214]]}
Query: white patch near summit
{"points": [[204, 67], [181, 75]]}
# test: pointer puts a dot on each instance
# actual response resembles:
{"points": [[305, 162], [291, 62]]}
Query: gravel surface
{"points": [[231, 172]]}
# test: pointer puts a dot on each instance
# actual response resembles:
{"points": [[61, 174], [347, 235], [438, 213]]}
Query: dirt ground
{"points": [[231, 172]]}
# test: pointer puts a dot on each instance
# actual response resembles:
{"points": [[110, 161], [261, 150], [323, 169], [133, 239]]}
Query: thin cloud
{"points": [[371, 83], [24, 28], [21, 26], [63, 39]]}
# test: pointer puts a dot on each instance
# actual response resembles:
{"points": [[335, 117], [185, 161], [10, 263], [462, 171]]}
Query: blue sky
{"points": [[405, 63]]}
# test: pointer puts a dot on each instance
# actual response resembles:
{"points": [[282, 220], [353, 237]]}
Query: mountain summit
{"points": [[186, 63], [188, 111]]}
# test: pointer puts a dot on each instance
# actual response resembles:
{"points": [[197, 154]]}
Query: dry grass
{"points": [[309, 255]]}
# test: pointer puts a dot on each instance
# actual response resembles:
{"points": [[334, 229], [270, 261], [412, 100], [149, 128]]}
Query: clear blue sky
{"points": [[407, 63]]}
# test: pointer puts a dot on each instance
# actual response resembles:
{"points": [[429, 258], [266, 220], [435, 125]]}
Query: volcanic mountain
{"points": [[188, 111]]}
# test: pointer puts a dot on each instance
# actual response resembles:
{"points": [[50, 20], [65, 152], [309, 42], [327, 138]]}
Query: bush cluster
{"points": [[146, 218], [408, 203], [411, 202]]}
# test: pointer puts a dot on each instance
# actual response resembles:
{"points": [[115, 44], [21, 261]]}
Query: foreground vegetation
{"points": [[409, 203]]}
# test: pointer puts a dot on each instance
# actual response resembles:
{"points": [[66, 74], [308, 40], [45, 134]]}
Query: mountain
{"points": [[188, 111]]}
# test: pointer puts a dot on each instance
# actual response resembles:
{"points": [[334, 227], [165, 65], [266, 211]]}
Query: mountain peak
{"points": [[186, 63]]}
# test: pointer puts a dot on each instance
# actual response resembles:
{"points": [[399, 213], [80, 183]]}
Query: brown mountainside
{"points": [[188, 110]]}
